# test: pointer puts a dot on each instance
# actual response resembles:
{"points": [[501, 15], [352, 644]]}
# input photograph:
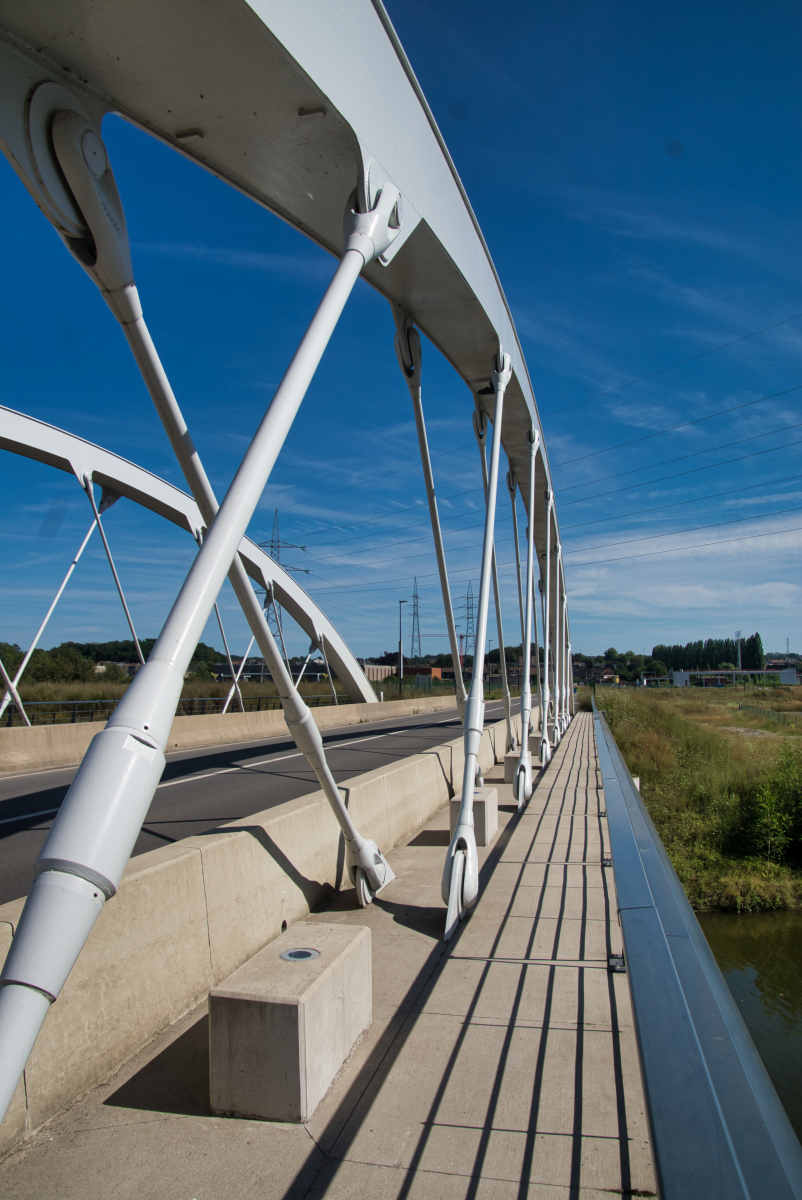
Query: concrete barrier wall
{"points": [[189, 914], [44, 746]]}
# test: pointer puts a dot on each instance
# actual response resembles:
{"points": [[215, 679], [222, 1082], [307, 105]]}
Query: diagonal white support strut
{"points": [[480, 430], [95, 191], [460, 881], [522, 783], [21, 668], [12, 691], [91, 840], [408, 351], [545, 741], [512, 487], [88, 487]]}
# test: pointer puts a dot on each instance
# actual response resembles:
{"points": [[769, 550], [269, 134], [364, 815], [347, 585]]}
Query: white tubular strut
{"points": [[522, 783], [566, 652], [235, 685], [91, 840], [537, 644], [234, 674], [512, 488], [556, 732], [106, 501], [13, 693], [460, 881], [408, 352], [85, 164], [480, 430], [20, 669], [560, 661], [545, 741]]}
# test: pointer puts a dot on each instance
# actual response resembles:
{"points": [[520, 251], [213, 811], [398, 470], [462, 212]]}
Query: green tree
{"points": [[11, 656], [113, 673]]}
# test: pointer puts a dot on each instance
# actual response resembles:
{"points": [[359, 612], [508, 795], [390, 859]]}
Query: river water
{"points": [[760, 955]]}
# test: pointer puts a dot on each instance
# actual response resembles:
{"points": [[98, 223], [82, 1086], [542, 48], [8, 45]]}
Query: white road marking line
{"points": [[44, 812], [284, 757]]}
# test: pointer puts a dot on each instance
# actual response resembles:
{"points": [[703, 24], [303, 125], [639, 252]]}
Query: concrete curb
{"points": [[186, 916], [45, 746]]}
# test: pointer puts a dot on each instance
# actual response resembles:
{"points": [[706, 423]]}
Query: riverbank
{"points": [[727, 807]]}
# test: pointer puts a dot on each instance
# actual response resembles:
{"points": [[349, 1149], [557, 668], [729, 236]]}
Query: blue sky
{"points": [[635, 171]]}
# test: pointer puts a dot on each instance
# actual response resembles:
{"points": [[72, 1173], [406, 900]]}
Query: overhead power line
{"points": [[695, 546], [673, 428], [678, 532], [727, 462], [678, 503], [680, 458], [662, 370]]}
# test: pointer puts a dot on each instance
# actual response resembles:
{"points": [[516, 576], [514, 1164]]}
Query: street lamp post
{"points": [[400, 652]]}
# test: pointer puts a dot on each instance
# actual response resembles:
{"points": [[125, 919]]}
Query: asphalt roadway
{"points": [[201, 789]]}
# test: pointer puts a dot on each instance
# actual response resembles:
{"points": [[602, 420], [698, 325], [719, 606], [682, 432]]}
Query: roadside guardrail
{"points": [[718, 1127]]}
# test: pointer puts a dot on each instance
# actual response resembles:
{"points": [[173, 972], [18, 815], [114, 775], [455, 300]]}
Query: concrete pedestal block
{"points": [[511, 761], [281, 1028], [485, 815]]}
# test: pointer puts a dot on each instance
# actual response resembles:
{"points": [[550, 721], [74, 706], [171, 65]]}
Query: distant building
{"points": [[376, 672], [130, 669]]}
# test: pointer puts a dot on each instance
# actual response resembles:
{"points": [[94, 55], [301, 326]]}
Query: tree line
{"points": [[75, 661], [713, 654]]}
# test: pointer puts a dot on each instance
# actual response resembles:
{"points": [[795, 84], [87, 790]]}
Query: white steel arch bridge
{"points": [[319, 118]]}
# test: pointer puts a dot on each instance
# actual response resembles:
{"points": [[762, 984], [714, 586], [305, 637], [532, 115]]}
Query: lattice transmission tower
{"points": [[470, 623], [272, 609], [414, 648]]}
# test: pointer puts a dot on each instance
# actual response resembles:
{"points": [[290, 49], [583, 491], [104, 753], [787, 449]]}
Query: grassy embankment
{"points": [[727, 804], [98, 690]]}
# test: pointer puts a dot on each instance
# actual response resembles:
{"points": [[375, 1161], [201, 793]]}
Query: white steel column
{"points": [[48, 615], [460, 881], [480, 430], [90, 842], [545, 741], [89, 488], [235, 685], [512, 487], [537, 642], [366, 236], [408, 352], [234, 676], [557, 648], [522, 784], [13, 693]]}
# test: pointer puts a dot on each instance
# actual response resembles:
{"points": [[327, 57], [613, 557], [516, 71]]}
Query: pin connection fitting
{"points": [[408, 348], [372, 233]]}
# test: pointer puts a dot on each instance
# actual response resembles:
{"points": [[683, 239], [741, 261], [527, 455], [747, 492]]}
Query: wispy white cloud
{"points": [[299, 266]]}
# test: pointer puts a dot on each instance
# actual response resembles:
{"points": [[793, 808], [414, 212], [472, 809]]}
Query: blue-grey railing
{"points": [[71, 712], [719, 1131]]}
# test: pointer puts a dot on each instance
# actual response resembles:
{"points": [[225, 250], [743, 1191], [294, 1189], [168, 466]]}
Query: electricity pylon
{"points": [[414, 647]]}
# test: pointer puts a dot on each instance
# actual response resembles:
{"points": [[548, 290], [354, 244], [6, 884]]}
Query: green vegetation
{"points": [[728, 807], [715, 654], [74, 662], [627, 665]]}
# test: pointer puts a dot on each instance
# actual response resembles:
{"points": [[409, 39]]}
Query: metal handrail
{"points": [[71, 712], [718, 1128]]}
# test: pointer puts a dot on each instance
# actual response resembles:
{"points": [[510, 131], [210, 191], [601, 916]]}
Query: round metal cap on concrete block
{"points": [[301, 954]]}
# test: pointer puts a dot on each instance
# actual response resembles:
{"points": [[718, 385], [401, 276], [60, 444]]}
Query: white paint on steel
{"points": [[44, 443]]}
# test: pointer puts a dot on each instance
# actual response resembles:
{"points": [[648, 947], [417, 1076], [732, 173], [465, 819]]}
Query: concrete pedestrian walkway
{"points": [[503, 1065]]}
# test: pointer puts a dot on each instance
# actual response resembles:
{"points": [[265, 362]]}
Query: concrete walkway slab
{"points": [[502, 1065]]}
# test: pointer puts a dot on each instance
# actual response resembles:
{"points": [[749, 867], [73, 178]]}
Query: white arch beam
{"points": [[30, 438]]}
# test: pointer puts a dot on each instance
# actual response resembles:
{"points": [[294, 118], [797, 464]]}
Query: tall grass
{"points": [[96, 689], [728, 809]]}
